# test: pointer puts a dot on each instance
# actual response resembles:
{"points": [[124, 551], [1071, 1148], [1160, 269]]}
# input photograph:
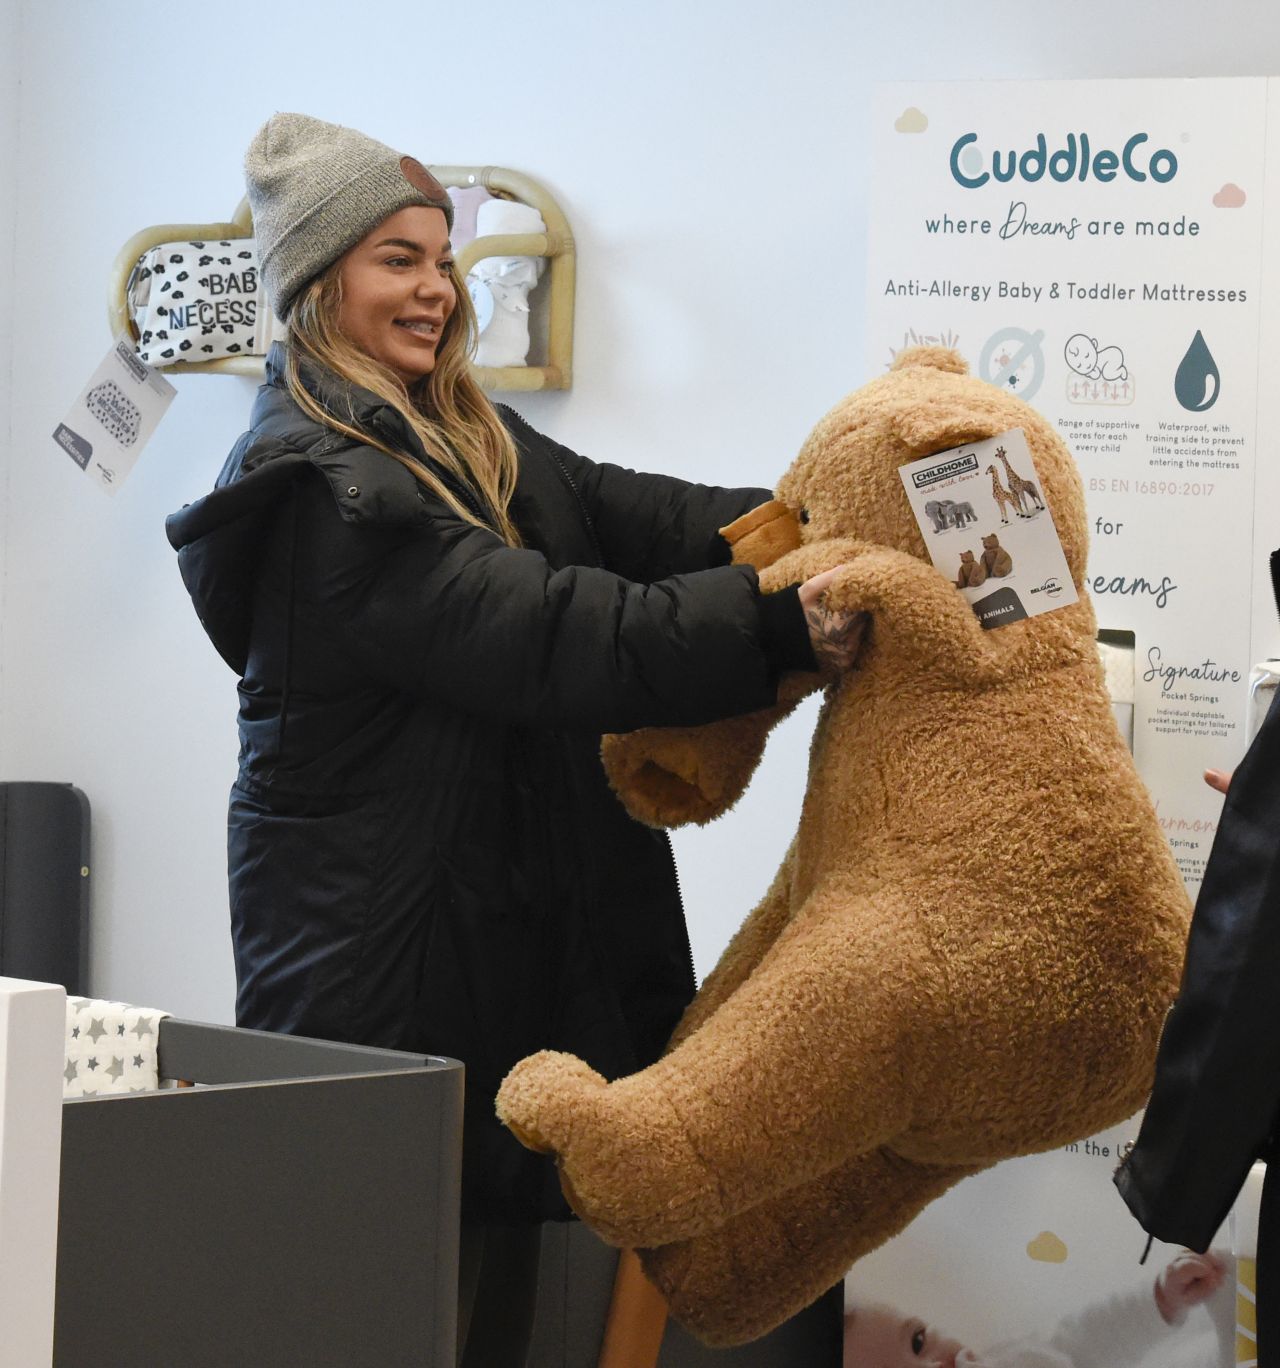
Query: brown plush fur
{"points": [[918, 996]]}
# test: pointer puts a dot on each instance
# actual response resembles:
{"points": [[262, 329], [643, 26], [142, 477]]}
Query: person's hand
{"points": [[1189, 1280], [835, 636], [1217, 779]]}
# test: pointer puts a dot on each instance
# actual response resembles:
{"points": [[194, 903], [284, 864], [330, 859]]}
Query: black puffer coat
{"points": [[424, 852]]}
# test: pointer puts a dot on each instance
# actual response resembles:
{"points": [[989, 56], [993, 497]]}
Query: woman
{"points": [[435, 612]]}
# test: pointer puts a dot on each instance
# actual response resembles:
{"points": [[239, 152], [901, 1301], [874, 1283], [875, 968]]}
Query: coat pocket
{"points": [[301, 887]]}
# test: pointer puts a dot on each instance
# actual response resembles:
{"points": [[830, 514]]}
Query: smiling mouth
{"points": [[420, 327]]}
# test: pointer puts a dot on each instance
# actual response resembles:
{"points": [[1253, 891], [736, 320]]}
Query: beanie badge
{"points": [[421, 179]]}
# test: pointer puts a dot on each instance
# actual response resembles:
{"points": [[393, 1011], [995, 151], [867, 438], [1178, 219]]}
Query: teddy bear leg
{"points": [[739, 1282], [809, 1062]]}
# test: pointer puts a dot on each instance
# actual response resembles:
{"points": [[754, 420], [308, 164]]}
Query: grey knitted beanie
{"points": [[316, 189]]}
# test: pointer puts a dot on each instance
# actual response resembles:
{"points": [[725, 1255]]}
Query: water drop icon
{"points": [[1196, 383]]}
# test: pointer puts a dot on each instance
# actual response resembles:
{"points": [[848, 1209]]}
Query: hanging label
{"points": [[114, 416], [988, 529]]}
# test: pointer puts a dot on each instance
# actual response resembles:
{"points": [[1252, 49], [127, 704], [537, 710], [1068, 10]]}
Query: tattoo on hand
{"points": [[835, 636]]}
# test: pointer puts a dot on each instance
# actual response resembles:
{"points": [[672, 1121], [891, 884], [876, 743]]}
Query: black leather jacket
{"points": [[1216, 1101]]}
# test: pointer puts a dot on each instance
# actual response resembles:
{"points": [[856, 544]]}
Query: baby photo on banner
{"points": [[1035, 1264]]}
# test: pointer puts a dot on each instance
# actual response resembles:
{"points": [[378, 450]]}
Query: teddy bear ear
{"points": [[930, 358], [931, 416]]}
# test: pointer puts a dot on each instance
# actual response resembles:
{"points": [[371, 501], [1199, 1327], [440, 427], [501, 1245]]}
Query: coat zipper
{"points": [[684, 921], [582, 509], [565, 475], [1275, 578], [287, 683]]}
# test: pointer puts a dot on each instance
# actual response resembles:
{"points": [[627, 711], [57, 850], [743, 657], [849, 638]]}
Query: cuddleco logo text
{"points": [[1075, 159]]}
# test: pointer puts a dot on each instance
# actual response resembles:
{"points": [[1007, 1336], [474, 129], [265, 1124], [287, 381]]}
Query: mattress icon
{"points": [[115, 411]]}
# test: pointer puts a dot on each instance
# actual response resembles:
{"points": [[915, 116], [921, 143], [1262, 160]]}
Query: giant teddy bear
{"points": [[970, 947]]}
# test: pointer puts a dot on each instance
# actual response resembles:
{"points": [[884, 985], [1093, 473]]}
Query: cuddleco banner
{"points": [[1099, 248]]}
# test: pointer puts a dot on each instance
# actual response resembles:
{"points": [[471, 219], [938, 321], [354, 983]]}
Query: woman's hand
{"points": [[835, 636], [1217, 779]]}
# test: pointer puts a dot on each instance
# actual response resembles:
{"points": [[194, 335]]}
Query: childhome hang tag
{"points": [[114, 417], [989, 530]]}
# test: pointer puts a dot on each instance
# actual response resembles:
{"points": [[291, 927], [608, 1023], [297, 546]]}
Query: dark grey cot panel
{"points": [[309, 1222], [203, 1053], [575, 1284], [44, 884]]}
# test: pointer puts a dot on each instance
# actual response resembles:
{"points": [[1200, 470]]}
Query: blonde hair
{"points": [[458, 427]]}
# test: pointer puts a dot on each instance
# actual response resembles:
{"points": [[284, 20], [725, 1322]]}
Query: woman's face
{"points": [[397, 293]]}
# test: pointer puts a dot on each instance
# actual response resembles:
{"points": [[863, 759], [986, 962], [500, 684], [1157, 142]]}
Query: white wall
{"points": [[713, 159], [10, 42]]}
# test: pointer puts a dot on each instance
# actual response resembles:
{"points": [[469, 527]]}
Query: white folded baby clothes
{"points": [[466, 200], [111, 1048]]}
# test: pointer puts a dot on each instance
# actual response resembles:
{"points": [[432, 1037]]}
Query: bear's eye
{"points": [[804, 515], [918, 1341]]}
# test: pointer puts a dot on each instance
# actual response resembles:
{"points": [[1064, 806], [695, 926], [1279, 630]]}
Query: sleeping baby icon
{"points": [[1084, 357]]}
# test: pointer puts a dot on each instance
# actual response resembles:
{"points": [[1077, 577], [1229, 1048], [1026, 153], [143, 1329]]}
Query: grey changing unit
{"points": [[298, 1207]]}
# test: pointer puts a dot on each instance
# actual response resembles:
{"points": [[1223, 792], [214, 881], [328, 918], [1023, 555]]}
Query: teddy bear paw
{"points": [[662, 775], [626, 1164], [540, 1098]]}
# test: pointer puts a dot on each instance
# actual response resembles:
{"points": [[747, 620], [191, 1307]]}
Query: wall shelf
{"points": [[555, 245]]}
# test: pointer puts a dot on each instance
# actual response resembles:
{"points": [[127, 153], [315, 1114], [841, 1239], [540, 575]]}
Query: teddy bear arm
{"points": [[809, 560], [672, 776], [875, 579], [743, 954], [912, 605], [739, 1282]]}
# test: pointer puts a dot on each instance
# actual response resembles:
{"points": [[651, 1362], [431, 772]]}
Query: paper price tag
{"points": [[114, 416], [989, 530]]}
